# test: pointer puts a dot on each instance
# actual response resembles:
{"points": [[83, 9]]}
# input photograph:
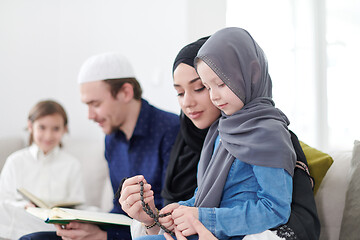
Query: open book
{"points": [[66, 215], [42, 204]]}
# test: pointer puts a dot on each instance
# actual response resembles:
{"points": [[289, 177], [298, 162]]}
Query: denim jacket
{"points": [[254, 199]]}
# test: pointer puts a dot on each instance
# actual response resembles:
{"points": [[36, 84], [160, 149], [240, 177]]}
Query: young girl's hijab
{"points": [[257, 134]]}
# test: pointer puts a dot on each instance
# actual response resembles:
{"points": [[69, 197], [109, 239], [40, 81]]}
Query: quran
{"points": [[66, 215]]}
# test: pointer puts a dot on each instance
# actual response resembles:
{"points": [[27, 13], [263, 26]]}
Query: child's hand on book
{"points": [[30, 204], [130, 199]]}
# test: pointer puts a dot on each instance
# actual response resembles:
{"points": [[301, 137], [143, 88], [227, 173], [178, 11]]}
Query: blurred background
{"points": [[311, 45]]}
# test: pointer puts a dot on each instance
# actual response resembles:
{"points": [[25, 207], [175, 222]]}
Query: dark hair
{"points": [[45, 108], [116, 85]]}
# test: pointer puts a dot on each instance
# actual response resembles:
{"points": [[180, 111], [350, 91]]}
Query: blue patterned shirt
{"points": [[147, 152]]}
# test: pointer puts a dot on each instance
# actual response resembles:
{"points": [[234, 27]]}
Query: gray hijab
{"points": [[257, 134]]}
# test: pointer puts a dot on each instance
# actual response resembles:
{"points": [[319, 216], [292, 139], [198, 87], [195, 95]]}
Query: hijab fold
{"points": [[257, 134]]}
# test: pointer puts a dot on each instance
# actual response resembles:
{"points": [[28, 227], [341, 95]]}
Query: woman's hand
{"points": [[130, 199], [181, 216]]}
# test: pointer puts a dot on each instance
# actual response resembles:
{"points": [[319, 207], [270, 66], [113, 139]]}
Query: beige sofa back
{"points": [[90, 153]]}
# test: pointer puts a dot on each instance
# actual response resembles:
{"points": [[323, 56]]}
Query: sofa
{"points": [[330, 197]]}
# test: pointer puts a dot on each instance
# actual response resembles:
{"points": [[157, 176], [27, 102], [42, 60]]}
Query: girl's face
{"points": [[221, 96], [47, 131], [193, 98]]}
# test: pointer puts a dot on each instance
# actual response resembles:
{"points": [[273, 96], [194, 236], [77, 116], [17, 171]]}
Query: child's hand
{"points": [[30, 204], [130, 199], [200, 229], [181, 216], [168, 220]]}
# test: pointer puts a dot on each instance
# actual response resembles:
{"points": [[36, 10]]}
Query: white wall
{"points": [[44, 42]]}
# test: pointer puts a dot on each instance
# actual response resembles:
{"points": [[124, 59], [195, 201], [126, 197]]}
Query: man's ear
{"points": [[30, 126], [126, 92]]}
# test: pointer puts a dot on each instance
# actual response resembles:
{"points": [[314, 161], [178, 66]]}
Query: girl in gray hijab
{"points": [[247, 162]]}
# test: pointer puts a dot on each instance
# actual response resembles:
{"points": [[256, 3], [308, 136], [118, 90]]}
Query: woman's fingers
{"points": [[130, 192], [133, 180], [131, 185], [135, 197]]}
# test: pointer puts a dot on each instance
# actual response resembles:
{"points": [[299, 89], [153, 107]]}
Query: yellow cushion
{"points": [[319, 163]]}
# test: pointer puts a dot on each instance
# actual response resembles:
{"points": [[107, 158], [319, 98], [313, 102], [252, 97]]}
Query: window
{"points": [[343, 79], [310, 47]]}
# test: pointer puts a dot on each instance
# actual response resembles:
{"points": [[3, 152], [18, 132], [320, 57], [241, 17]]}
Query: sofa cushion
{"points": [[8, 145], [95, 172], [351, 217], [330, 198], [319, 163]]}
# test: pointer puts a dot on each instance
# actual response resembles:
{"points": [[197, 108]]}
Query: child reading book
{"points": [[43, 169]]}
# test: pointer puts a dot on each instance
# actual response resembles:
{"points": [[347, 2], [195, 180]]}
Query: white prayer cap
{"points": [[105, 66]]}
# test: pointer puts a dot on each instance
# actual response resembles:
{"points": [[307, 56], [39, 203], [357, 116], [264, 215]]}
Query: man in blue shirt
{"points": [[138, 138]]}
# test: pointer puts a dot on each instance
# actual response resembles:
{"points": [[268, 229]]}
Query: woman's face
{"points": [[193, 97]]}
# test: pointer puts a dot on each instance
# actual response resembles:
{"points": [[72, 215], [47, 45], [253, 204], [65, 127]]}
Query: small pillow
{"points": [[319, 163], [351, 217]]}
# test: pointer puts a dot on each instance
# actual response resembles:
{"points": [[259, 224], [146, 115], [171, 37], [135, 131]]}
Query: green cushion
{"points": [[319, 163]]}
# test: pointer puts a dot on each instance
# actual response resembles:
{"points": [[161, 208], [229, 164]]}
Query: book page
{"points": [[40, 203], [101, 217], [32, 198], [42, 213], [66, 215]]}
